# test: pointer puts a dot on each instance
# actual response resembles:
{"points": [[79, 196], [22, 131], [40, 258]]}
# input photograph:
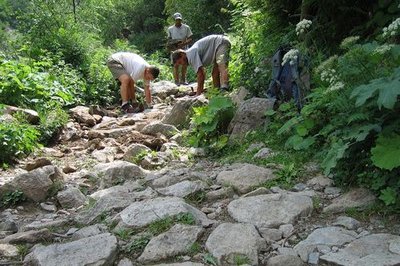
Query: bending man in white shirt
{"points": [[128, 68]]}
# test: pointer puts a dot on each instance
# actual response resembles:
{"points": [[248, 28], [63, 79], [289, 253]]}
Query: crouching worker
{"points": [[128, 68], [211, 50]]}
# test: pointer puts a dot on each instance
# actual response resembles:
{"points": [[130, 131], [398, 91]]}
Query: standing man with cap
{"points": [[211, 50], [179, 36]]}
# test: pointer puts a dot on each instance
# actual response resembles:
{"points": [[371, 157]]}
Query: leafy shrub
{"points": [[51, 121], [350, 120], [11, 198], [210, 123], [16, 139], [27, 83]]}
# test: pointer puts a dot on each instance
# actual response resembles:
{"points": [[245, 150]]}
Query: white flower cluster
{"points": [[392, 29], [303, 26], [330, 76], [291, 56]]}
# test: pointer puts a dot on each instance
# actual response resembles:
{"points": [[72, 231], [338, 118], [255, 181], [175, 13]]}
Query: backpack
{"points": [[290, 80]]}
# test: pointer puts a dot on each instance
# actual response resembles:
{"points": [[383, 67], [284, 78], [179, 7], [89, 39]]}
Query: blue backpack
{"points": [[290, 80]]}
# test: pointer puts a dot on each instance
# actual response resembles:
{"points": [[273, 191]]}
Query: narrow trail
{"points": [[122, 190]]}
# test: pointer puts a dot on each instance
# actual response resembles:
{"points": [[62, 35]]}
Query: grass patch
{"points": [[210, 259], [23, 250], [138, 244], [240, 259], [163, 225], [194, 249], [124, 233], [196, 198]]}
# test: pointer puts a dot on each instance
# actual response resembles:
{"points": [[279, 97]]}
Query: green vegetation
{"points": [[240, 259], [11, 198]]}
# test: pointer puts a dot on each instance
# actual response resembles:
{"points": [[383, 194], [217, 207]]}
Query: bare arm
{"points": [[147, 92], [200, 80]]}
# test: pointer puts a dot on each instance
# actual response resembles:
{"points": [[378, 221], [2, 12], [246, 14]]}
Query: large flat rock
{"points": [[368, 250], [229, 240], [174, 242], [113, 202], [182, 189], [244, 177], [328, 237], [271, 210], [359, 198], [37, 183], [140, 214], [95, 250], [117, 172]]}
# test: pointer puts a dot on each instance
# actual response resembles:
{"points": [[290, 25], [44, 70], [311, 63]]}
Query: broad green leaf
{"points": [[386, 153], [334, 155], [270, 113], [388, 94], [363, 93], [288, 125], [388, 196], [301, 130]]}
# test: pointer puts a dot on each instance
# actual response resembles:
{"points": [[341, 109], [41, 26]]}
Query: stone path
{"points": [[125, 191]]}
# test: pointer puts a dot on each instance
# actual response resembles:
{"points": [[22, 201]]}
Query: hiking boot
{"points": [[127, 108]]}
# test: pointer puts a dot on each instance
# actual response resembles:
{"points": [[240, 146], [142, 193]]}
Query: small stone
{"points": [[20, 208], [335, 249], [394, 246], [347, 222], [270, 234], [8, 250], [286, 229], [69, 169], [212, 216], [332, 191], [313, 258], [39, 162], [263, 153], [258, 191], [48, 206], [125, 262], [299, 187], [207, 210]]}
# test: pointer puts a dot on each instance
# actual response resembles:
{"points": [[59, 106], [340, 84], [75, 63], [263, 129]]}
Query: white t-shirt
{"points": [[180, 33], [133, 64]]}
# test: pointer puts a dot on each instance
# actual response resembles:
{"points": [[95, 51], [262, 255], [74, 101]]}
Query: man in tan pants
{"points": [[213, 49], [128, 68]]}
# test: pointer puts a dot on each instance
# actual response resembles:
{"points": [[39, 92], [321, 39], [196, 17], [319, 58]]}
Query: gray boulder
{"points": [[31, 237], [163, 89], [183, 188], [95, 250], [155, 128], [244, 177], [250, 116], [327, 237], [71, 198], [179, 115], [174, 242], [31, 115], [113, 202], [271, 210], [285, 260], [82, 115], [368, 250], [134, 150], [229, 240], [9, 251], [143, 213], [359, 198], [117, 172], [39, 183]]}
